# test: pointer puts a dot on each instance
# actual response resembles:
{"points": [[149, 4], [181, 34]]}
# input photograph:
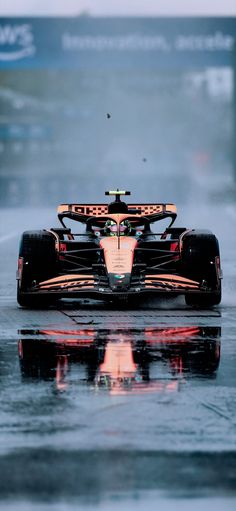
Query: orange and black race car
{"points": [[121, 254]]}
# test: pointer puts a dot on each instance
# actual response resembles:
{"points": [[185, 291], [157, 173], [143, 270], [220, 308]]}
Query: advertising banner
{"points": [[86, 42]]}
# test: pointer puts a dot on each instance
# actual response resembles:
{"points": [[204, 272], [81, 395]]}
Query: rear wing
{"points": [[82, 212]]}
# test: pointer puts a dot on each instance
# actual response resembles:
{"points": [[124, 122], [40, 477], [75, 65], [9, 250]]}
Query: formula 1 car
{"points": [[118, 256]]}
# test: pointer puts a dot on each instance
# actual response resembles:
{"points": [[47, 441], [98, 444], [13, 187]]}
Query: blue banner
{"points": [[86, 42]]}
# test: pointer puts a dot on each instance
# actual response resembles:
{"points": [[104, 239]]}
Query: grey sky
{"points": [[118, 7]]}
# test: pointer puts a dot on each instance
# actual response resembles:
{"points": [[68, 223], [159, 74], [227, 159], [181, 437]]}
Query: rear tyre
{"points": [[37, 250], [200, 262]]}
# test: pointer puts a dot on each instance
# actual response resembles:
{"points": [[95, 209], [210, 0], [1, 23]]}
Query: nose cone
{"points": [[119, 282], [119, 259]]}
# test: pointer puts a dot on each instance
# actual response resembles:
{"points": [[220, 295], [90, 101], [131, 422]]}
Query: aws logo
{"points": [[16, 42]]}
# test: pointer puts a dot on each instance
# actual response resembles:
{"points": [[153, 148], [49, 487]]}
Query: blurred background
{"points": [[96, 95]]}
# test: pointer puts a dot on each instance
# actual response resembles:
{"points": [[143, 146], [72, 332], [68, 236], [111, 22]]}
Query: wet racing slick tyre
{"points": [[201, 262], [39, 261]]}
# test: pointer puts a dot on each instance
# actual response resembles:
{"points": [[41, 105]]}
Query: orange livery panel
{"points": [[102, 209], [119, 254]]}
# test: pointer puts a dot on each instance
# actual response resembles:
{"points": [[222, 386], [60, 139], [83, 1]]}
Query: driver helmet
{"points": [[111, 228]]}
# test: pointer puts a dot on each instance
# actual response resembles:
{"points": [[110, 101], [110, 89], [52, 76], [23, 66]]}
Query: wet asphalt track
{"points": [[161, 429]]}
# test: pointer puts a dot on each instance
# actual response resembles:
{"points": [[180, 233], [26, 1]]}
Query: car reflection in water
{"points": [[121, 361]]}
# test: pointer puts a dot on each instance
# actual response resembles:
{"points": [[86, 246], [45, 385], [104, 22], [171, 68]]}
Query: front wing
{"points": [[93, 286]]}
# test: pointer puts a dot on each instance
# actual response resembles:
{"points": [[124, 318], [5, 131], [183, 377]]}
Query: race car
{"points": [[120, 255]]}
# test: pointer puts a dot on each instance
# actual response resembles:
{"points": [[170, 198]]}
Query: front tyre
{"points": [[200, 259], [35, 301], [37, 261]]}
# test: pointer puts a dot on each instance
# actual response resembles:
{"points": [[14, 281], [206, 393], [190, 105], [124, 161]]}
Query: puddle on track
{"points": [[152, 359], [104, 404]]}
